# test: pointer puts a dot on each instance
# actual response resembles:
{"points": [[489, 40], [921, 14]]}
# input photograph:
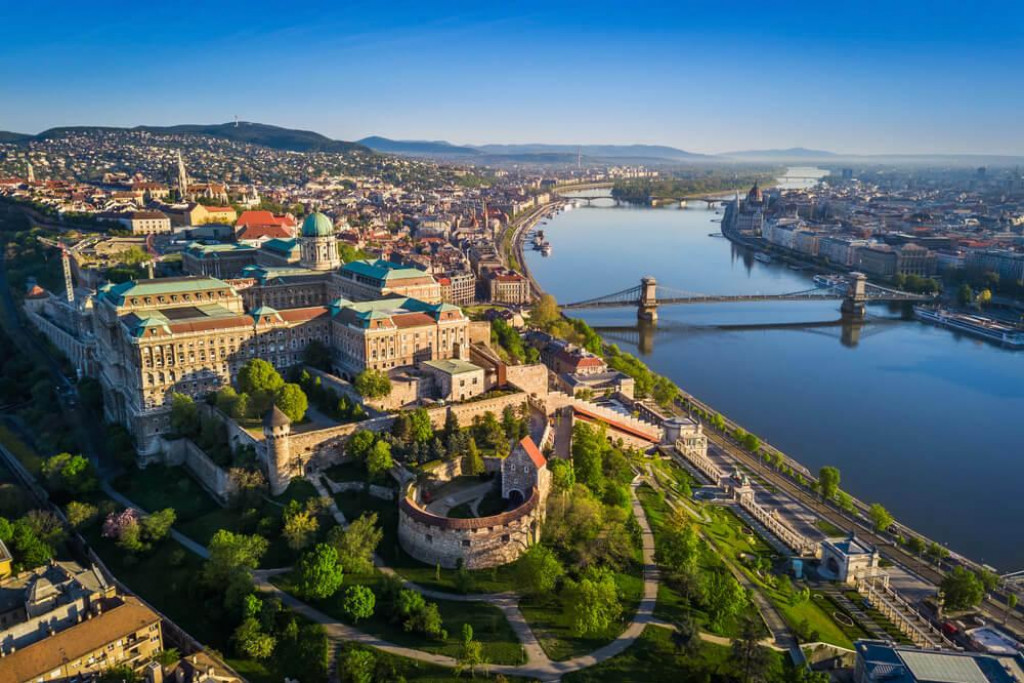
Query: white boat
{"points": [[975, 325], [545, 250], [762, 257]]}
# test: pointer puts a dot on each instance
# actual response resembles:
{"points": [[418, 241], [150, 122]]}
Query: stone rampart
{"points": [[465, 412], [475, 543], [212, 477]]}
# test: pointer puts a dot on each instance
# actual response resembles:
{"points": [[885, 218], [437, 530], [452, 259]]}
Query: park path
{"points": [[538, 665], [181, 538]]}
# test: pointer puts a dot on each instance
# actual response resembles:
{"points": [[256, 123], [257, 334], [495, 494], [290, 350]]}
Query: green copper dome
{"points": [[317, 225]]}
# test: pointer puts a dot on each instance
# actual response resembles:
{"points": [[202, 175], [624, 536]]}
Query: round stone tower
{"points": [[318, 249], [277, 429]]}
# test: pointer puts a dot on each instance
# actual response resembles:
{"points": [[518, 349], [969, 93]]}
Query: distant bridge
{"points": [[649, 295], [654, 200]]}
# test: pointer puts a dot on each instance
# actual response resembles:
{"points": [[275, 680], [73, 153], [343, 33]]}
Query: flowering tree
{"points": [[124, 528]]}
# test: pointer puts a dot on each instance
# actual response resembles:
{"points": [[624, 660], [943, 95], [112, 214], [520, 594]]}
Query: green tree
{"points": [[357, 666], [593, 602], [379, 461], [750, 658], [184, 415], [472, 462], [679, 547], [230, 552], [79, 514], [122, 673], [725, 597], [359, 603], [962, 589], [317, 355], [156, 525], [563, 476], [357, 543], [71, 473], [373, 384], [292, 401], [915, 545], [545, 311], [538, 571], [257, 375], [965, 295], [300, 526], [318, 574], [471, 654], [828, 481], [1011, 605], [587, 447], [360, 443], [420, 428], [226, 399], [880, 517], [845, 501], [251, 641], [685, 637]]}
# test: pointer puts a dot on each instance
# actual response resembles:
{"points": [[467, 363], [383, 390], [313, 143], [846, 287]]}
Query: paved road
{"points": [[538, 666], [910, 575]]}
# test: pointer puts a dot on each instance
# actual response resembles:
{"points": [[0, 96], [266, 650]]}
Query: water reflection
{"points": [[643, 334]]}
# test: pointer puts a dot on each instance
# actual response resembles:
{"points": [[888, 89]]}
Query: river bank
{"points": [[888, 402]]}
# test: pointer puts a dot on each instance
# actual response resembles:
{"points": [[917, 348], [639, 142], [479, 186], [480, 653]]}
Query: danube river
{"points": [[924, 421]]}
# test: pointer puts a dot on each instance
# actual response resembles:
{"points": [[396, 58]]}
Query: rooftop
{"points": [[453, 366], [77, 641], [119, 294], [380, 269]]}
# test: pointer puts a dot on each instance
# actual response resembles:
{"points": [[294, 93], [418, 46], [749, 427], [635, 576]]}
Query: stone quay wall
{"points": [[475, 543]]}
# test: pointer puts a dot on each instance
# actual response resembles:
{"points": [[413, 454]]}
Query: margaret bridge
{"points": [[855, 294]]}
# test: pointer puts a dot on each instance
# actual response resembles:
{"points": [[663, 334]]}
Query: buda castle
{"points": [[193, 334]]}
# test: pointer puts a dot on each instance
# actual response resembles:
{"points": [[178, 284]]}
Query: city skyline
{"points": [[861, 80]]}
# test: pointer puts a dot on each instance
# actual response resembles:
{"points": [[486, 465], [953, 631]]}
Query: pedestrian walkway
{"points": [[538, 665], [181, 538]]}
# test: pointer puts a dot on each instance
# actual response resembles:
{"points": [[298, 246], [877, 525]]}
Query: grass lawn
{"points": [[552, 625], [158, 487], [828, 528], [170, 589], [25, 454], [653, 659], [354, 470], [403, 668], [880, 619], [490, 628], [817, 614]]}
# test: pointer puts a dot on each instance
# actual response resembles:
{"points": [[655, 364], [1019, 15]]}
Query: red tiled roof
{"points": [[302, 314], [253, 232], [412, 320], [536, 457]]}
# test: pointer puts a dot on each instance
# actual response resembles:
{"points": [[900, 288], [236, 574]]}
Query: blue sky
{"points": [[856, 77]]}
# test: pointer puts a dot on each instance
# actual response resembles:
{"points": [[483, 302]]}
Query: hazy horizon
{"points": [[935, 78]]}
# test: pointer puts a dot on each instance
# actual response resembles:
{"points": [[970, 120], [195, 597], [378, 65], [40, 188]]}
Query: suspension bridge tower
{"points": [[648, 308], [855, 304]]}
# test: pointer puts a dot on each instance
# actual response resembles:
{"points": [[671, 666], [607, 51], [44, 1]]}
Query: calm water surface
{"points": [[927, 422]]}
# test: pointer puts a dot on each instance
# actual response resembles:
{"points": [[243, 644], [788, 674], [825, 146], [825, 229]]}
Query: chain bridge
{"points": [[855, 294]]}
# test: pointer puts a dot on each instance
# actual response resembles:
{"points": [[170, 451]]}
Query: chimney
{"points": [[154, 673]]}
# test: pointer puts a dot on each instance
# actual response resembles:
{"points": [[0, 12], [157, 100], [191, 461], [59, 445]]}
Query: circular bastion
{"points": [[479, 542]]}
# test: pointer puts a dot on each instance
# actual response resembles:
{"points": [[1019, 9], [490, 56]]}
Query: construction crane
{"points": [[65, 259]]}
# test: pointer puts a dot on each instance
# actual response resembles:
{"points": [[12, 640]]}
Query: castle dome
{"points": [[317, 225]]}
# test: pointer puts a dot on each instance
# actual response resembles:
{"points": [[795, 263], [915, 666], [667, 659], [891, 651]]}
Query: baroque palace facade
{"points": [[192, 334]]}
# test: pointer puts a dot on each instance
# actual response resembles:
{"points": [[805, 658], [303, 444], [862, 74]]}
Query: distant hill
{"points": [[536, 153], [274, 137], [791, 153], [596, 151], [417, 147], [8, 136]]}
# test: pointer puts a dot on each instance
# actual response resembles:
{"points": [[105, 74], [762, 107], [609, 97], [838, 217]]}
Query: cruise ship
{"points": [[975, 325]]}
